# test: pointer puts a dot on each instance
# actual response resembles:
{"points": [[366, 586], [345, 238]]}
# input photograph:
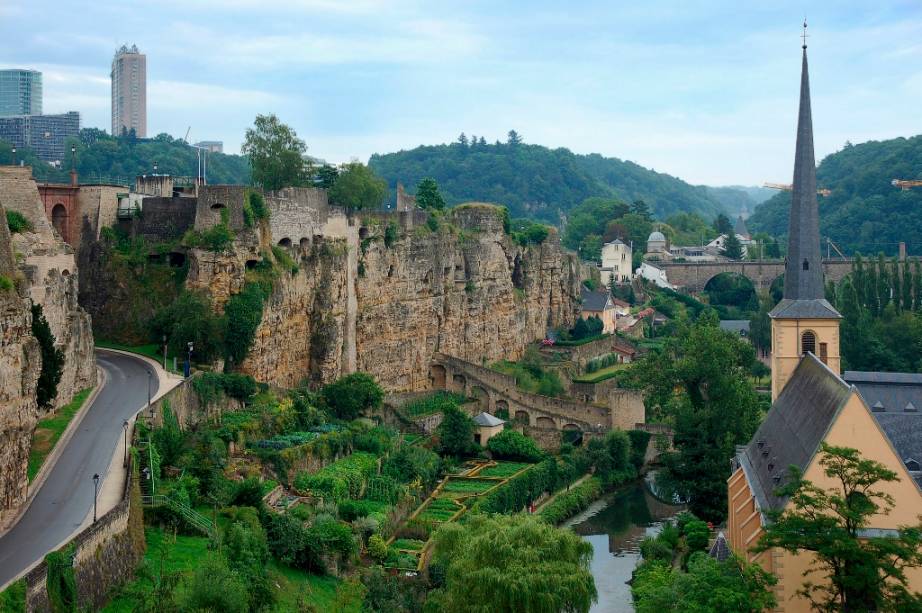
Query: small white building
{"points": [[719, 243], [656, 275], [616, 262]]}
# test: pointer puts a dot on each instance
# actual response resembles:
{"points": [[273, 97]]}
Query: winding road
{"points": [[66, 497]]}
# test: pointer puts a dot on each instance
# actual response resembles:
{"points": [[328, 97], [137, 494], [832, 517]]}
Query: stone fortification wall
{"points": [[581, 354], [98, 207], [104, 556], [20, 364], [213, 198], [49, 269], [298, 214], [162, 219], [188, 408]]}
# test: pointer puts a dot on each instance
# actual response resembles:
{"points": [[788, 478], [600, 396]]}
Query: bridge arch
{"points": [[459, 383], [523, 416], [545, 422], [438, 376], [482, 397], [732, 288]]}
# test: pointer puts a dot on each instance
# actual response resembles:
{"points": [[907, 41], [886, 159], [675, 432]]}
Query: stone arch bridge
{"points": [[495, 391], [694, 276]]}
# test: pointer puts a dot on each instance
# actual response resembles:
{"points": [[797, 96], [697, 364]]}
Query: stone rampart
{"points": [[162, 219], [188, 407], [213, 199], [297, 214], [479, 217]]}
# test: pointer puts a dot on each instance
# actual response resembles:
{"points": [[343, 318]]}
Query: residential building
{"points": [[812, 404], [599, 304], [20, 92], [211, 146], [616, 262], [45, 135], [129, 92], [654, 274], [718, 245], [622, 308]]}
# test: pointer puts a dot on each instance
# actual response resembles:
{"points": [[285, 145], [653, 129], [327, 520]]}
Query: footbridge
{"points": [[496, 391], [694, 276]]}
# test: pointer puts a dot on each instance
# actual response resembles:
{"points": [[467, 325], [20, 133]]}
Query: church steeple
{"points": [[803, 321], [803, 271]]}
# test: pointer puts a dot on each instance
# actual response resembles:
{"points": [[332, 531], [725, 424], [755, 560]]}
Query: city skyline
{"points": [[700, 93]]}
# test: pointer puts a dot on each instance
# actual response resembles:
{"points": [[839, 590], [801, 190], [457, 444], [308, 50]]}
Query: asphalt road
{"points": [[66, 497]]}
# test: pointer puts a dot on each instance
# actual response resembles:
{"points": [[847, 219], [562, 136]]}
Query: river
{"points": [[614, 525]]}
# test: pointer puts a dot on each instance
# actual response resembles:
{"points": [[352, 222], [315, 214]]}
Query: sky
{"points": [[703, 90]]}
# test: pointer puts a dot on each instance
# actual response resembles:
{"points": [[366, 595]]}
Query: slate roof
{"points": [[895, 400], [792, 431], [818, 308], [620, 303], [594, 301], [485, 419], [738, 326], [720, 550]]}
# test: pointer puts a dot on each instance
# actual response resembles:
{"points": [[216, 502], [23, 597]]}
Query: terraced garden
{"points": [[448, 502]]}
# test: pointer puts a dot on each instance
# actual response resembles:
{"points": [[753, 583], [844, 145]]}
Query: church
{"points": [[812, 402]]}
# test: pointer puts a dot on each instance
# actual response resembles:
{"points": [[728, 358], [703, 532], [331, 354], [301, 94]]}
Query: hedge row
{"points": [[568, 504], [340, 480]]}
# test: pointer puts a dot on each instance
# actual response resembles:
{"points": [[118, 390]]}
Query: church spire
{"points": [[803, 271]]}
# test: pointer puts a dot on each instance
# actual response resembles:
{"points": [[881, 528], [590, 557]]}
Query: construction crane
{"points": [[186, 137], [904, 184], [788, 187]]}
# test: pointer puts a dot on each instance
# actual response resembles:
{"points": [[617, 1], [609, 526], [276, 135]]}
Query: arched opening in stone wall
{"points": [[545, 422], [59, 220], [437, 376], [572, 434], [732, 290], [285, 243], [502, 409], [522, 417], [481, 396], [218, 206], [305, 244], [363, 233], [177, 259], [154, 258], [518, 276], [251, 264], [65, 273], [390, 271], [459, 383]]}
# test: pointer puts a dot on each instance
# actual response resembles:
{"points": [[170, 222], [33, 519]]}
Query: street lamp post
{"points": [[164, 352], [14, 155], [95, 494], [189, 360], [125, 429]]}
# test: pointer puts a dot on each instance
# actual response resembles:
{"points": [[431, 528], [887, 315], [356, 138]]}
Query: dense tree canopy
{"points": [[511, 563], [864, 212], [537, 182], [358, 187], [276, 154]]}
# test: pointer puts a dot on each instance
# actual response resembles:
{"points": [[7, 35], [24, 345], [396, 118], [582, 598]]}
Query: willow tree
{"points": [[511, 563]]}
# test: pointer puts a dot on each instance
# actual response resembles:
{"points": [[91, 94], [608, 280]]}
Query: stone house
{"points": [[488, 426], [599, 304]]}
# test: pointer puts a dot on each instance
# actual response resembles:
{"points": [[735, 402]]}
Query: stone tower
{"points": [[803, 321]]}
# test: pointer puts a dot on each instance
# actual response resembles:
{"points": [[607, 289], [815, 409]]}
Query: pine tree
{"points": [[732, 247], [513, 138], [52, 358], [462, 140]]}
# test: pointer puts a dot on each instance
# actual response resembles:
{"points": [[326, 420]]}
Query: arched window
{"points": [[807, 342], [806, 265]]}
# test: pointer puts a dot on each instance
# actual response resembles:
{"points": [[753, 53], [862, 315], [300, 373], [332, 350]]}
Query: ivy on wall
{"points": [[60, 582]]}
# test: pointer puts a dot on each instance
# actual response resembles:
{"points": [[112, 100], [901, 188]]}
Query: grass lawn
{"points": [[151, 350], [292, 583], [503, 469], [50, 429], [602, 374]]}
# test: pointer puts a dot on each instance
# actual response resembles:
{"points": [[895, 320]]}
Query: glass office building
{"points": [[20, 92], [45, 135]]}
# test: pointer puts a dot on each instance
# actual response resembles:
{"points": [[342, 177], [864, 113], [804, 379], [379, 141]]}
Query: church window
{"points": [[806, 265], [808, 343], [824, 352]]}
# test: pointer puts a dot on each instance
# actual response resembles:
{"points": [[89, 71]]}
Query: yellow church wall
{"points": [[856, 428], [786, 350]]}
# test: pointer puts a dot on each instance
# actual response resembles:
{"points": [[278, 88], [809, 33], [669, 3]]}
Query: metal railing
{"points": [[190, 515]]}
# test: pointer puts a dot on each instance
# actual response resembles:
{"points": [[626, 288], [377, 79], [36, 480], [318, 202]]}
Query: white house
{"points": [[616, 262], [656, 275], [719, 243]]}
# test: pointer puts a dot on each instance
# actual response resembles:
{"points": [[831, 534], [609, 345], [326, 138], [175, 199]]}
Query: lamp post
{"points": [[14, 155], [189, 360], [125, 429], [95, 494], [164, 352]]}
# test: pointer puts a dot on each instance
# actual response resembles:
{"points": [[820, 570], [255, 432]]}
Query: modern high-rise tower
{"points": [[129, 91], [20, 92]]}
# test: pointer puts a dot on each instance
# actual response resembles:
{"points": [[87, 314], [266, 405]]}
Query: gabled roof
{"points": [[595, 301], [793, 430], [720, 550], [485, 419], [737, 326], [619, 302]]}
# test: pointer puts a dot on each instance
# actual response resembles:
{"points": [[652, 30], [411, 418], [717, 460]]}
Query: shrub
{"points": [[217, 238], [349, 396], [697, 535], [572, 502], [17, 222], [413, 462], [214, 587], [456, 432], [521, 490], [639, 441], [249, 493], [189, 318], [653, 549], [350, 510], [377, 548], [432, 403], [512, 445], [52, 358], [340, 480], [242, 315], [390, 234], [6, 284]]}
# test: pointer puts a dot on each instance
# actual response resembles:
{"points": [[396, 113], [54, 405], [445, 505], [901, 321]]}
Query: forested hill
{"points": [[107, 158], [537, 182], [864, 212]]}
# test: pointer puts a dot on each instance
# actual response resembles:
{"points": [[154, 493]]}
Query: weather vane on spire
{"points": [[805, 35]]}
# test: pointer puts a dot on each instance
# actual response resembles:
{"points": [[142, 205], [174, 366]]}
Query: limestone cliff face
{"points": [[474, 294], [356, 303], [20, 364], [49, 267]]}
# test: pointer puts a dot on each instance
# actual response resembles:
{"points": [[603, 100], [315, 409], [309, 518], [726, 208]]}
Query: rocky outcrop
{"points": [[20, 364], [48, 266]]}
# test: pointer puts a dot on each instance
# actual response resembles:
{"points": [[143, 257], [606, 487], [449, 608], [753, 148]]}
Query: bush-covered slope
{"points": [[100, 156], [864, 212], [534, 181]]}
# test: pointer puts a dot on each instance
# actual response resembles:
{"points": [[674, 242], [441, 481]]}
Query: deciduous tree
{"points": [[276, 153], [358, 188]]}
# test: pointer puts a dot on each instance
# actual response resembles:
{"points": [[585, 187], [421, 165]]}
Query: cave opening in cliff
{"points": [[518, 276], [176, 259], [285, 243]]}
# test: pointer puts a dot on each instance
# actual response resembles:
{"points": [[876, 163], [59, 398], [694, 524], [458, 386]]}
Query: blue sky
{"points": [[706, 91]]}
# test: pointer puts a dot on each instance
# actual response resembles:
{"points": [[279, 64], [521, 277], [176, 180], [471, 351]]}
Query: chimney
{"points": [[73, 177]]}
